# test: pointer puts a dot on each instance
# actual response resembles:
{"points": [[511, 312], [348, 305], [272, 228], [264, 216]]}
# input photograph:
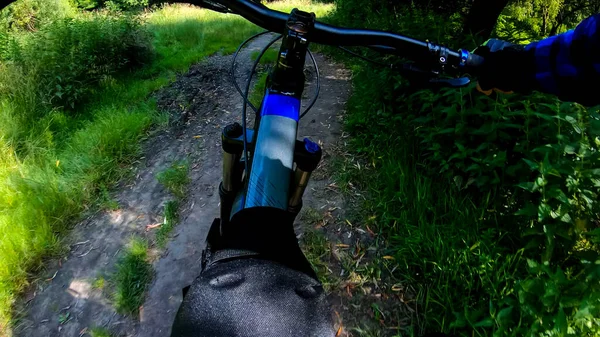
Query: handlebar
{"points": [[382, 41]]}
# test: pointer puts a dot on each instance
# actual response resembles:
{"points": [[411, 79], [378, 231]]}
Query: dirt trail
{"points": [[67, 303]]}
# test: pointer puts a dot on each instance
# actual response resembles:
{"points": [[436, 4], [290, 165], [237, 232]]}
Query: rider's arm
{"points": [[566, 65]]}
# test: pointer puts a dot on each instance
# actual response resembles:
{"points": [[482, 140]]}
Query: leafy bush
{"points": [[539, 158], [125, 4], [31, 15], [115, 5], [64, 61]]}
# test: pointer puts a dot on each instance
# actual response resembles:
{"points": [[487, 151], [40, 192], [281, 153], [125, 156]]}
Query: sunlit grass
{"points": [[185, 34]]}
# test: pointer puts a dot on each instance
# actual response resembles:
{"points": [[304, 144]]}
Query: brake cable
{"points": [[318, 85], [355, 54], [233, 64]]}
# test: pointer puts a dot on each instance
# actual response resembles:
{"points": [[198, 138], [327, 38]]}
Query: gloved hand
{"points": [[502, 68]]}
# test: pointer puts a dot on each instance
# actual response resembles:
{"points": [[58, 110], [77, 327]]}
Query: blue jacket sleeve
{"points": [[568, 65]]}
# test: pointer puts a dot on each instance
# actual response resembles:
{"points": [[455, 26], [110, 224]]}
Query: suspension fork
{"points": [[307, 156]]}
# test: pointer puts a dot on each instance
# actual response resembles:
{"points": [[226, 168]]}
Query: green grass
{"points": [[54, 168], [269, 57], [258, 91], [99, 283], [184, 35], [175, 178], [133, 275], [100, 332], [171, 217]]}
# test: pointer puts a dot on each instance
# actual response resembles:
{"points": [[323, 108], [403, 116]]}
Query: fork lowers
{"points": [[307, 157], [232, 170]]}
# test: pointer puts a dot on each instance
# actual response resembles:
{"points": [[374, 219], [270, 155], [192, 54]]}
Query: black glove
{"points": [[504, 66]]}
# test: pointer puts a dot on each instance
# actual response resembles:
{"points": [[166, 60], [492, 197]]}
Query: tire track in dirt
{"points": [[203, 102]]}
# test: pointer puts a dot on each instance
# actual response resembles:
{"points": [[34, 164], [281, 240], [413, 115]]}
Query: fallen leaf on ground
{"points": [[156, 225], [387, 257]]}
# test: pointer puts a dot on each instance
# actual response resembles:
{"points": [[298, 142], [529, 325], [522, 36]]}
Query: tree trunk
{"points": [[545, 15], [483, 16]]}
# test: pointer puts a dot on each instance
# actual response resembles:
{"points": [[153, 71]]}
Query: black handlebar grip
{"points": [[475, 61]]}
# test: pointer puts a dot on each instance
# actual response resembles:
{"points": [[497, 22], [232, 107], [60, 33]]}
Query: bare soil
{"points": [[68, 300]]}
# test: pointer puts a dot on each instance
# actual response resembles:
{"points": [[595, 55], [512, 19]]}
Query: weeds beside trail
{"points": [[74, 107]]}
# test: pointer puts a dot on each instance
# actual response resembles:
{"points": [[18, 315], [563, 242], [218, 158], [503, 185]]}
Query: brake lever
{"points": [[451, 82], [430, 78]]}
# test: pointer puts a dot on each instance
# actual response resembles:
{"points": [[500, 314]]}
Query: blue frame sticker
{"points": [[281, 105]]}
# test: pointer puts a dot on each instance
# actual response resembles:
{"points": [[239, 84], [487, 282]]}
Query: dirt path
{"points": [[67, 303]]}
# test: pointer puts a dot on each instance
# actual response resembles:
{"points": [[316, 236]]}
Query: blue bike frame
{"points": [[273, 156]]}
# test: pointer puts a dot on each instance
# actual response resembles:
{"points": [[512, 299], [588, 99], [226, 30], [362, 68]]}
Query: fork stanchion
{"points": [[307, 156], [232, 170]]}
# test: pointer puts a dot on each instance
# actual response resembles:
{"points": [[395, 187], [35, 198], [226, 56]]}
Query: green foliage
{"points": [[125, 4], [171, 217], [530, 20], [134, 273], [539, 158], [65, 61], [175, 178], [30, 15], [113, 5]]}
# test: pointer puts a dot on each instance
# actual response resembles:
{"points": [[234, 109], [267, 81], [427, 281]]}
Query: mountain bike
{"points": [[255, 280]]}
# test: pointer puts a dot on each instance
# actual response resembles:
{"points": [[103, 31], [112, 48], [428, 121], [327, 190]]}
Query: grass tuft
{"points": [[171, 217], [99, 283], [175, 178], [134, 273], [100, 332]]}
